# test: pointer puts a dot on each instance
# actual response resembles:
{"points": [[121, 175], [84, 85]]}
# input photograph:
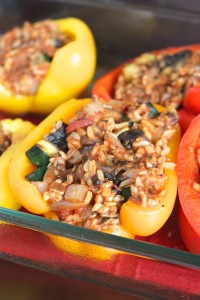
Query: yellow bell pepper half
{"points": [[70, 71], [85, 249], [135, 219], [18, 129], [30, 198], [24, 191]]}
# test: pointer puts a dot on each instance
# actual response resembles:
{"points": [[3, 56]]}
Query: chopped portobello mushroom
{"points": [[59, 136], [128, 137]]}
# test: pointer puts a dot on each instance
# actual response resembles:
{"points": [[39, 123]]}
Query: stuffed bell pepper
{"points": [[11, 134], [44, 64], [168, 77], [101, 165], [188, 166]]}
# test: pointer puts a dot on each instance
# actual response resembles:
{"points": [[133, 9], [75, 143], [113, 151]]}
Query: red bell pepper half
{"points": [[192, 100], [189, 236], [104, 87], [185, 118], [189, 186]]}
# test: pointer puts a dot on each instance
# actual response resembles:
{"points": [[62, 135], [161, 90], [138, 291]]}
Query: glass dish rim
{"points": [[148, 250]]}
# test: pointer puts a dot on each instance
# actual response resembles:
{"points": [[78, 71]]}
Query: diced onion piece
{"points": [[115, 104], [76, 193], [126, 182], [49, 175], [41, 186], [112, 138], [75, 158], [131, 70], [64, 205], [131, 173]]}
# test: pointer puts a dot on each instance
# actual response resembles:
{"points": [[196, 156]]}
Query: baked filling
{"points": [[163, 79]]}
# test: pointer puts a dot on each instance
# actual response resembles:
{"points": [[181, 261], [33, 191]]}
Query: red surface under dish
{"points": [[38, 249]]}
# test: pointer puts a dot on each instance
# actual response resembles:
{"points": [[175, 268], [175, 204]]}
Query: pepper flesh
{"points": [[192, 100], [18, 129], [70, 71], [144, 221], [85, 249], [189, 197], [185, 118]]}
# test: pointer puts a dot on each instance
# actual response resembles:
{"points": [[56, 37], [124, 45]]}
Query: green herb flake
{"points": [[126, 193], [153, 112], [126, 119]]}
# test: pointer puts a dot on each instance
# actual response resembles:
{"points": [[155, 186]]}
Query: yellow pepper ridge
{"points": [[18, 129]]}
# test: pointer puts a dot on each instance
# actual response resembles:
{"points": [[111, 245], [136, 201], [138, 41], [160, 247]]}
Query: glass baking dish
{"points": [[156, 267]]}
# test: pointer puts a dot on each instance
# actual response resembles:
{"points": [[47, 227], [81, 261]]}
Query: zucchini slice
{"points": [[126, 193], [37, 175], [153, 112], [41, 152]]}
